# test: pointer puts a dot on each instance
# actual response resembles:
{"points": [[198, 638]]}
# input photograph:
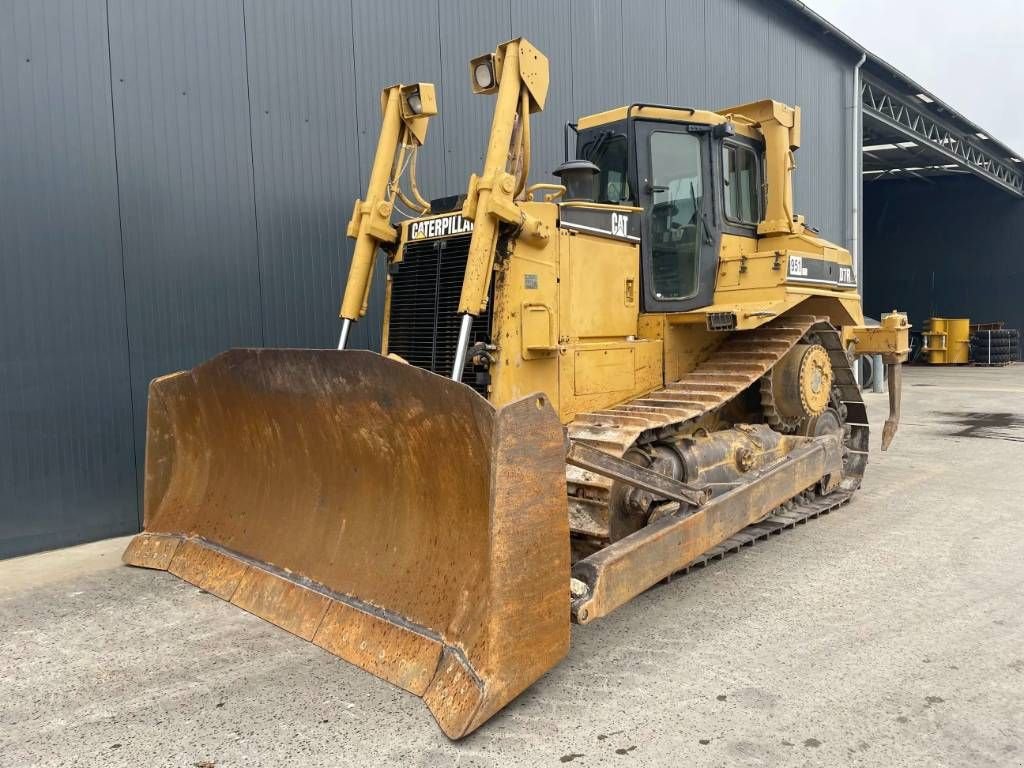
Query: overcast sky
{"points": [[969, 54]]}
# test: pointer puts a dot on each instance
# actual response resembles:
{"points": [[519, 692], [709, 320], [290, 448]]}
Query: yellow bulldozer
{"points": [[583, 388]]}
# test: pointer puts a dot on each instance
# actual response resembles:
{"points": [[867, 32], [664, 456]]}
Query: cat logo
{"points": [[620, 225], [444, 227]]}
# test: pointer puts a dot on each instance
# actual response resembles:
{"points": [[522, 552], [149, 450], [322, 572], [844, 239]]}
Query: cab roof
{"points": [[674, 114]]}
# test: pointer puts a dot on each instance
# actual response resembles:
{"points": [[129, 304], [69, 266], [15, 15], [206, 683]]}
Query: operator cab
{"points": [[694, 174]]}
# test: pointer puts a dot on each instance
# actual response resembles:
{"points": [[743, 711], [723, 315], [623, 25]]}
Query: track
{"points": [[738, 364], [785, 518]]}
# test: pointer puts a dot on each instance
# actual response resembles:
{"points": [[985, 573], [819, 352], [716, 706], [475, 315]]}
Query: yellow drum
{"points": [[947, 340]]}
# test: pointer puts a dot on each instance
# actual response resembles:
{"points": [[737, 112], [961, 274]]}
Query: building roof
{"points": [[911, 132]]}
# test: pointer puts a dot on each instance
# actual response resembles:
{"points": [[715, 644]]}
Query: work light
{"points": [[484, 74], [414, 103], [418, 100]]}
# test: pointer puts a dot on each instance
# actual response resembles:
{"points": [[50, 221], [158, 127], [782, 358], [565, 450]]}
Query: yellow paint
{"points": [[700, 116], [520, 370], [890, 338], [947, 340], [521, 84], [600, 290], [606, 369], [595, 376], [538, 330], [567, 316]]}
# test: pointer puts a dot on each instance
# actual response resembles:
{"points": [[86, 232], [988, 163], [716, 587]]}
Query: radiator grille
{"points": [[423, 326]]}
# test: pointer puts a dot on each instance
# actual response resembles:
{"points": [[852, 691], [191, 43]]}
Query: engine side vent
{"points": [[423, 327]]}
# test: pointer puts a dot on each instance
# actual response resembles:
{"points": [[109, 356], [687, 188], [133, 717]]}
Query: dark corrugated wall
{"points": [[925, 253], [177, 175], [67, 464]]}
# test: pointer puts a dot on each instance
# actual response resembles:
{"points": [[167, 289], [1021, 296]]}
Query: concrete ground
{"points": [[889, 633]]}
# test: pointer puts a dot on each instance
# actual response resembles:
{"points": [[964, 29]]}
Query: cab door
{"points": [[680, 238]]}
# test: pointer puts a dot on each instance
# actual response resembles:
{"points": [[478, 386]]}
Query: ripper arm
{"points": [[891, 340]]}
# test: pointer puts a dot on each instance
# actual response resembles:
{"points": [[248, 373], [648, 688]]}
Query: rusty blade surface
{"points": [[388, 515]]}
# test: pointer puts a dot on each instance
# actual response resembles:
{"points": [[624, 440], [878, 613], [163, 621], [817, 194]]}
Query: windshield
{"points": [[677, 194], [609, 151]]}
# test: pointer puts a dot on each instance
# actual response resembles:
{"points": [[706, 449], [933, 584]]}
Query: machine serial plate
{"points": [[807, 269]]}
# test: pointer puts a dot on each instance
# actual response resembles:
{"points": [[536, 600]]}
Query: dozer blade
{"points": [[390, 516]]}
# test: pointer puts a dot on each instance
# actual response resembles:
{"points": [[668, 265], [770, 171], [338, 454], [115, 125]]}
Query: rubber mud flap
{"points": [[388, 515]]}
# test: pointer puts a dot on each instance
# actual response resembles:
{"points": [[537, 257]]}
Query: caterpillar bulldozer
{"points": [[584, 387]]}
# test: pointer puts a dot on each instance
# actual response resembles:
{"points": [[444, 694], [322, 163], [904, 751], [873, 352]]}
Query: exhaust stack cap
{"points": [[579, 177]]}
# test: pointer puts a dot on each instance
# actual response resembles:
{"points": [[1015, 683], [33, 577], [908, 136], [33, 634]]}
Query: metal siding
{"points": [[67, 466], [468, 28], [395, 46], [306, 163], [737, 46], [645, 51], [686, 58], [820, 188], [921, 258], [598, 82], [181, 118], [783, 44], [545, 23]]}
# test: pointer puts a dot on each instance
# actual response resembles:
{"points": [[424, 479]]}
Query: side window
{"points": [[613, 186], [609, 151], [742, 193], [676, 229]]}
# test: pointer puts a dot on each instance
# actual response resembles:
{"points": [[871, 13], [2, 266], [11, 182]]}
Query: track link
{"points": [[783, 519]]}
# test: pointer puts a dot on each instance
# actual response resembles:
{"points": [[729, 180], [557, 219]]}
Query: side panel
{"points": [[607, 369], [684, 345], [600, 375], [604, 359], [595, 360], [601, 287], [529, 279]]}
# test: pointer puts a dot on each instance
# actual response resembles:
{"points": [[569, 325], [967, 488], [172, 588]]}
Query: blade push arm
{"points": [[405, 111]]}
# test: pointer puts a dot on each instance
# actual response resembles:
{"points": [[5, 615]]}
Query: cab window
{"points": [[742, 195], [609, 151], [677, 194]]}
